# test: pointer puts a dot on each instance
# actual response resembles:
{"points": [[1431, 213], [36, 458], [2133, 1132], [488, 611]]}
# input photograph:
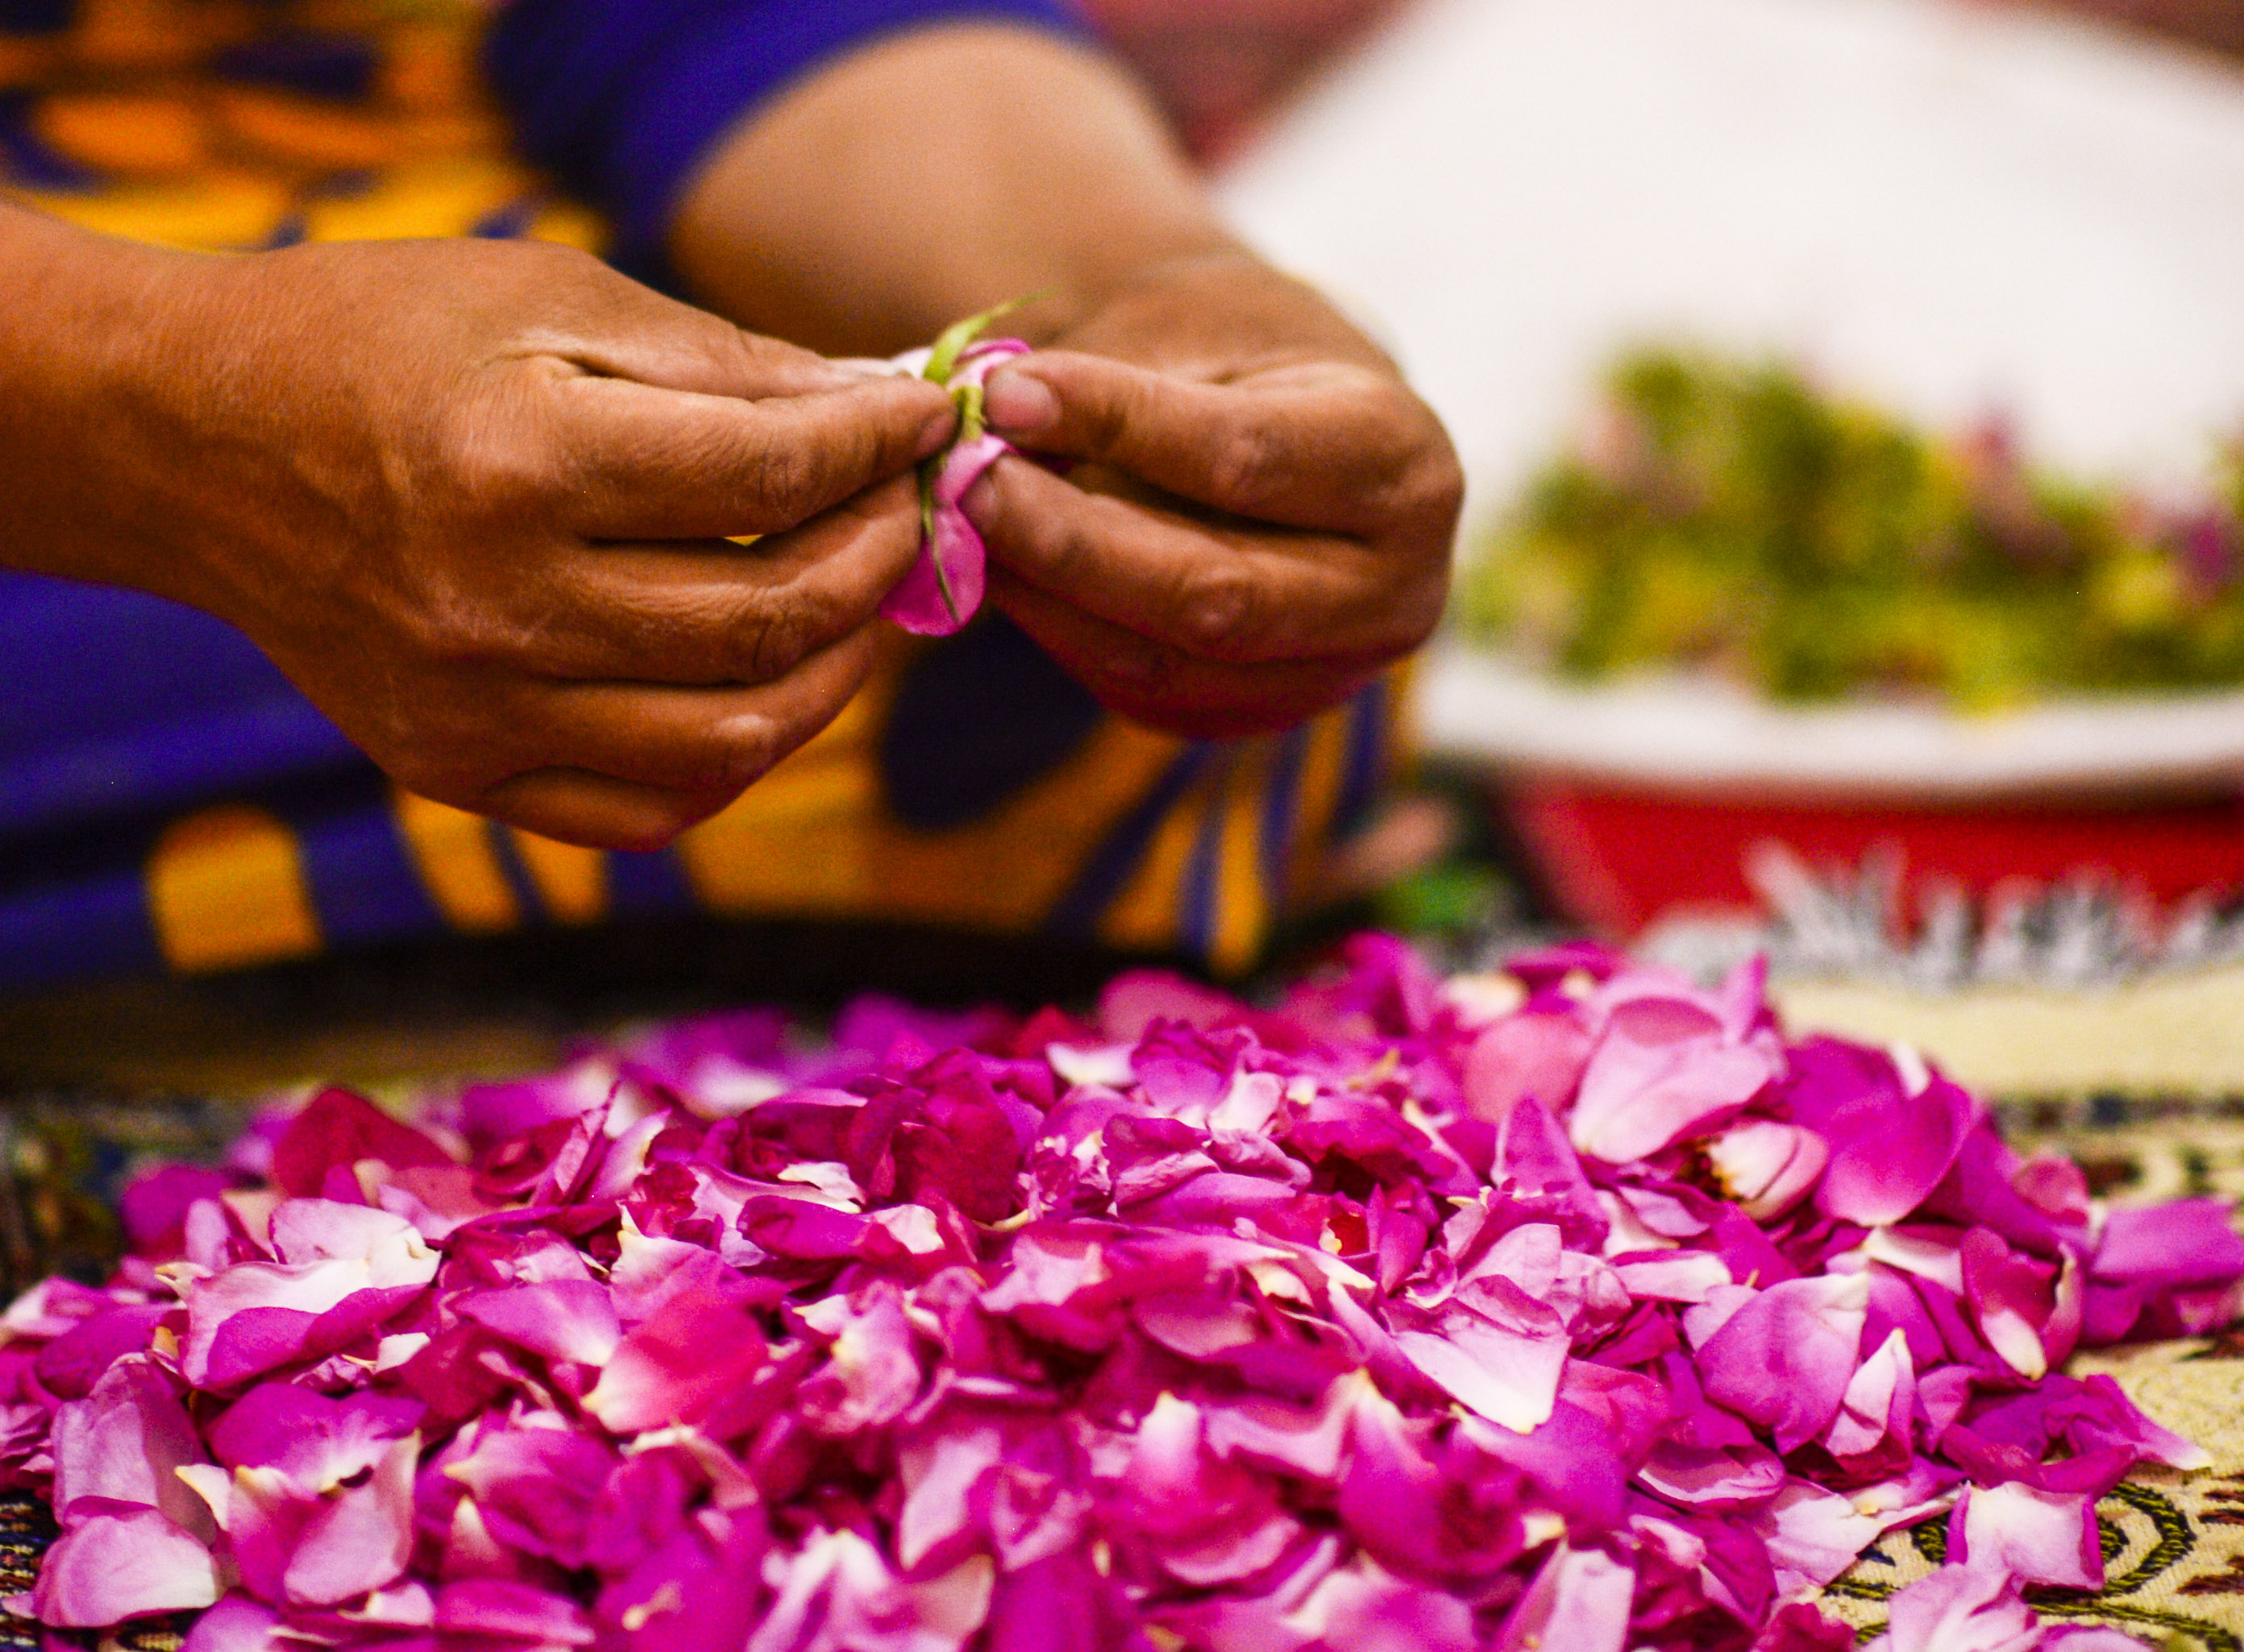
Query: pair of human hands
{"points": [[479, 500]]}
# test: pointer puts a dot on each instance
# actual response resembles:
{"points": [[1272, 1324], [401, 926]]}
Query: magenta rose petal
{"points": [[235, 1624], [1888, 1149], [495, 1609], [1785, 1358], [944, 587], [318, 1442], [1576, 1309], [567, 1319]]}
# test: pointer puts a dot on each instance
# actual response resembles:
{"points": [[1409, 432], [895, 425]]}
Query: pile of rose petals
{"points": [[1573, 1308]]}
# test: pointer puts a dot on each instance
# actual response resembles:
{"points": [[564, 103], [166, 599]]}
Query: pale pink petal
{"points": [[1663, 1069], [122, 1442], [235, 1624], [872, 1371], [1508, 1377], [311, 1230], [1784, 1359], [1960, 1608], [114, 1567], [1365, 1609], [1674, 1276], [1579, 1601], [1767, 1167], [1813, 1535], [2037, 1536], [1523, 1057], [357, 1538], [1879, 1403], [938, 1475], [568, 1319]]}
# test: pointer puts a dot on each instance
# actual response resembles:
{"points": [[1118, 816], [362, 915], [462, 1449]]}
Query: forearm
{"points": [[107, 389], [931, 175], [1258, 513]]}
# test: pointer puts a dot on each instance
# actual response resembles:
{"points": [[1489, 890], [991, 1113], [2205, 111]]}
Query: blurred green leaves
{"points": [[1730, 514]]}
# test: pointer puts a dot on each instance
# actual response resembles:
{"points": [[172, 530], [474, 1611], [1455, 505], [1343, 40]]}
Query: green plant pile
{"points": [[1732, 516]]}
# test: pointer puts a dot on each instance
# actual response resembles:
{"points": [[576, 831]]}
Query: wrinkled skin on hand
{"points": [[1259, 514], [476, 501]]}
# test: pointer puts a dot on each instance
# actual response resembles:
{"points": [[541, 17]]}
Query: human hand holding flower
{"points": [[475, 499], [1259, 514]]}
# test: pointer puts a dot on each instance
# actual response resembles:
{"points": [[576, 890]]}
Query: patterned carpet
{"points": [[2173, 1543]]}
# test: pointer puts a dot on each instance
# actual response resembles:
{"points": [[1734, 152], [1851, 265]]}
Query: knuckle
{"points": [[1141, 672], [493, 472], [452, 628], [1219, 610], [789, 478], [1064, 543], [1110, 419], [1246, 466], [776, 640], [1434, 490], [717, 764]]}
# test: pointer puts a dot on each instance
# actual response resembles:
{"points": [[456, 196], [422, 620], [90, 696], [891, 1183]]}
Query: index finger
{"points": [[1334, 446], [1206, 588], [642, 462]]}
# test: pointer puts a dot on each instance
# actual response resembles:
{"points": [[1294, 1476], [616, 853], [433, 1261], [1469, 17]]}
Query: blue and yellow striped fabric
{"points": [[168, 801]]}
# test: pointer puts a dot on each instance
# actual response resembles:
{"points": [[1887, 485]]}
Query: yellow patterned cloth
{"points": [[214, 126]]}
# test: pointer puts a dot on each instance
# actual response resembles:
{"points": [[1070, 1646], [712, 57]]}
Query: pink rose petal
{"points": [[111, 1566], [2037, 1536]]}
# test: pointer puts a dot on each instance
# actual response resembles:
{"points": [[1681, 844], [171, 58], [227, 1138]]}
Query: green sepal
{"points": [[943, 361], [970, 400], [928, 471]]}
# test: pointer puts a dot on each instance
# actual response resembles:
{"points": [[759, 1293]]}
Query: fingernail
{"points": [[1020, 405]]}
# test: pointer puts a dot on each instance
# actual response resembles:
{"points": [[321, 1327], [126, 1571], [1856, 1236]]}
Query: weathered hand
{"points": [[475, 499], [1261, 513]]}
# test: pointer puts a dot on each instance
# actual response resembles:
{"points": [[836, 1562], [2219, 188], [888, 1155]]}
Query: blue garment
{"points": [[621, 98]]}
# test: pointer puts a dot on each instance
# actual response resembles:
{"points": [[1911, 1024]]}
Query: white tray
{"points": [[1703, 734]]}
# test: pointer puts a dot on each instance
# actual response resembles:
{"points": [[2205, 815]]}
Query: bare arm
{"points": [[931, 176], [1261, 514]]}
